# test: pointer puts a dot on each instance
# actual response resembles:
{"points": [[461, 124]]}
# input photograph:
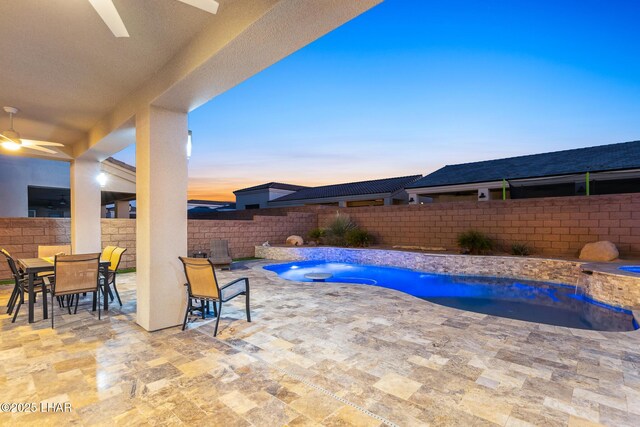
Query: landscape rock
{"points": [[599, 251], [295, 241]]}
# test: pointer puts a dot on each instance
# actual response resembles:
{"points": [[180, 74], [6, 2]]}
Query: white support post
{"points": [[85, 206], [161, 212]]}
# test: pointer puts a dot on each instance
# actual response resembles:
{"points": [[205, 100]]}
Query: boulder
{"points": [[599, 251], [295, 241]]}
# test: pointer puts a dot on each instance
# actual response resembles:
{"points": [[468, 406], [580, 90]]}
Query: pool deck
{"points": [[319, 354]]}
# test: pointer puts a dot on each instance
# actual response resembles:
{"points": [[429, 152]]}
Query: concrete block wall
{"points": [[21, 236], [243, 236], [557, 226]]}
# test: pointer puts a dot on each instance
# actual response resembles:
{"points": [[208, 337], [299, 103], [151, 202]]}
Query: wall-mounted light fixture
{"points": [[189, 145], [102, 179]]}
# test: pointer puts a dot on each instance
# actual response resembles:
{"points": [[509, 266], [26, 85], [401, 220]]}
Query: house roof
{"points": [[207, 202], [625, 155], [121, 164], [275, 185], [376, 186]]}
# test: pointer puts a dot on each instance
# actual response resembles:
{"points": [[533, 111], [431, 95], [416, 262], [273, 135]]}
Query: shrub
{"points": [[359, 238], [337, 231], [316, 234], [520, 249], [475, 242]]}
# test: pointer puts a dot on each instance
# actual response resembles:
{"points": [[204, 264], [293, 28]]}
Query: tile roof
{"points": [[376, 186], [625, 155], [276, 185]]}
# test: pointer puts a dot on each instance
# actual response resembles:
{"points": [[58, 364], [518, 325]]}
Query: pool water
{"points": [[532, 301], [631, 268]]}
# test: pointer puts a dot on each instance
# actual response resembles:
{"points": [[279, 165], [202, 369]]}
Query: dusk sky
{"points": [[411, 86]]}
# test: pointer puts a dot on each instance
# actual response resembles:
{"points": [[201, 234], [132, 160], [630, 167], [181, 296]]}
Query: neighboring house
{"points": [[604, 169], [377, 192], [199, 209], [259, 196], [210, 204], [40, 188]]}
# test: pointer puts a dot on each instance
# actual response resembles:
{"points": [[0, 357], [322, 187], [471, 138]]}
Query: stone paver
{"points": [[318, 354]]}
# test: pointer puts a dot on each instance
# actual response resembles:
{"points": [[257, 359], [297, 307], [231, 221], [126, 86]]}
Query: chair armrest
{"points": [[47, 280], [245, 279]]}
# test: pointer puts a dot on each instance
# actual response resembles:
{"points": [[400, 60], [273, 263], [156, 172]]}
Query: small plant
{"points": [[475, 242], [359, 238], [338, 228], [316, 234], [520, 249]]}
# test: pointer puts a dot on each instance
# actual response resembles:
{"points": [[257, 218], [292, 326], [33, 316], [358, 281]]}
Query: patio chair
{"points": [[20, 287], [202, 284], [115, 258], [220, 253], [74, 275], [51, 251], [106, 253]]}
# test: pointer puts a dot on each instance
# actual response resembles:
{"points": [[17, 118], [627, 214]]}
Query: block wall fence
{"points": [[551, 226], [557, 226], [21, 236]]}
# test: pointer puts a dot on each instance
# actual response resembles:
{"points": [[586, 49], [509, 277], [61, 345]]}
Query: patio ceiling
{"points": [[76, 83]]}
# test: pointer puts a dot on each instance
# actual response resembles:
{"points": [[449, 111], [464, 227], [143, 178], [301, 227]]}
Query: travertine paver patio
{"points": [[319, 353]]}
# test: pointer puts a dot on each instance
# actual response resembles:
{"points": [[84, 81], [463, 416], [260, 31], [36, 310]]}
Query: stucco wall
{"points": [[18, 173], [557, 226]]}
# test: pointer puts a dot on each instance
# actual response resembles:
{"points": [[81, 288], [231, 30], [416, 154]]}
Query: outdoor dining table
{"points": [[33, 266]]}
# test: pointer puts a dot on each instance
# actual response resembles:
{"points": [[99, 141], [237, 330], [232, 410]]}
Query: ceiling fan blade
{"points": [[109, 14], [210, 6], [32, 142], [38, 148]]}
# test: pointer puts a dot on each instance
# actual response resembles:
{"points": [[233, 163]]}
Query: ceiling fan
{"points": [[10, 139], [109, 14]]}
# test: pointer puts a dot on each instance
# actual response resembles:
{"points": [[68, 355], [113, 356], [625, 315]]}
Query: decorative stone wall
{"points": [[619, 290], [557, 226]]}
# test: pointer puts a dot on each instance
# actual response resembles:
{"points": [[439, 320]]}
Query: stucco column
{"points": [[122, 208], [161, 212], [85, 206]]}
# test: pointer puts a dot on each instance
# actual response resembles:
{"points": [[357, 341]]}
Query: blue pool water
{"points": [[631, 268], [532, 301]]}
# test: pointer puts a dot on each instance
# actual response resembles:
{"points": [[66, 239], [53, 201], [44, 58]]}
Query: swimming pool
{"points": [[527, 300], [631, 268]]}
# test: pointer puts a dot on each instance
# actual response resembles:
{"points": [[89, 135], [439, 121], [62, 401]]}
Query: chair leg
{"points": [[77, 300], [110, 292], [99, 308], [215, 331], [17, 311], [186, 313], [45, 309], [117, 294], [215, 308], [52, 309], [69, 302], [12, 300], [202, 309], [246, 295]]}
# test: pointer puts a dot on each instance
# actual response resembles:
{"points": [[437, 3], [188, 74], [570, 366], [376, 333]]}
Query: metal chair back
{"points": [[201, 278]]}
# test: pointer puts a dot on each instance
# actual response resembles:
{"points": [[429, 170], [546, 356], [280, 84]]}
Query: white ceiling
{"points": [[64, 69]]}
